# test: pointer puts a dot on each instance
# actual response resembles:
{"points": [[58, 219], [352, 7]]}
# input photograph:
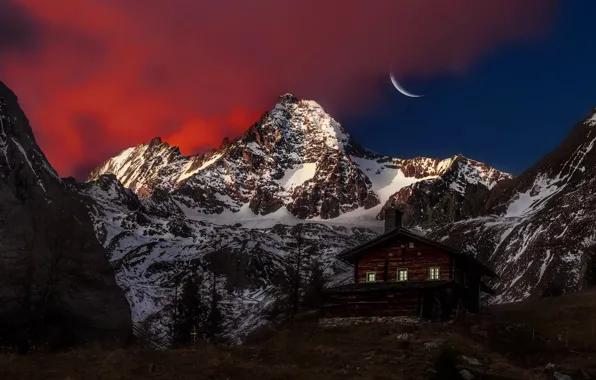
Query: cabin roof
{"points": [[380, 286], [353, 254]]}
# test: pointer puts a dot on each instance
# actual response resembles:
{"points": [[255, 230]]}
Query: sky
{"points": [[503, 80], [511, 107]]}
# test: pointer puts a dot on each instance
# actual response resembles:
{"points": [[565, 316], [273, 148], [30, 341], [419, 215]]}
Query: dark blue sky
{"points": [[508, 110]]}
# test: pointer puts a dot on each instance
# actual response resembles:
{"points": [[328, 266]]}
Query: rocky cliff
{"points": [[296, 157], [538, 228], [56, 285]]}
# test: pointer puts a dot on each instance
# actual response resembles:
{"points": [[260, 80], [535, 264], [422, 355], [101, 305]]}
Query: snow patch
{"points": [[592, 120], [385, 180], [534, 199], [206, 164], [3, 142], [297, 176], [22, 150]]}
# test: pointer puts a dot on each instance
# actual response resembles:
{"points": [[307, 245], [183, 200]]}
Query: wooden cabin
{"points": [[400, 273]]}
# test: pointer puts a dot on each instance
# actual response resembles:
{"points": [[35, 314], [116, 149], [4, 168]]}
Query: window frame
{"points": [[374, 276], [398, 272], [430, 273], [411, 244]]}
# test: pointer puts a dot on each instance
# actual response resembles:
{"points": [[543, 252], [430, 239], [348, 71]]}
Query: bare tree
{"points": [[293, 276], [302, 278], [296, 277]]}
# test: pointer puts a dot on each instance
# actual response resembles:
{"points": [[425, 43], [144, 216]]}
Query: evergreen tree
{"points": [[189, 314], [313, 292], [213, 328], [590, 271]]}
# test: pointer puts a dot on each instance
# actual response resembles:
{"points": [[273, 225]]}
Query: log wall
{"points": [[381, 304], [386, 259]]}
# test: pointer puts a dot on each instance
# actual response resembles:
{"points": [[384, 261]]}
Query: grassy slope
{"points": [[513, 342]]}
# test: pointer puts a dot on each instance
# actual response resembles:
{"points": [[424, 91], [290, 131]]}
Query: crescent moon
{"points": [[401, 89]]}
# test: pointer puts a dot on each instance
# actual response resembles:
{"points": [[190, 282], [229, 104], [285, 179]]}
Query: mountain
{"points": [[162, 215], [295, 181], [538, 229], [55, 282], [154, 245], [295, 157]]}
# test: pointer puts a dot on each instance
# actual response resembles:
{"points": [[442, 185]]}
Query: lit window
{"points": [[433, 273], [402, 275], [457, 276], [371, 276], [465, 280], [411, 244]]}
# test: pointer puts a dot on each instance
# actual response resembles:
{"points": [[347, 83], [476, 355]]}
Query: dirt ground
{"points": [[529, 340]]}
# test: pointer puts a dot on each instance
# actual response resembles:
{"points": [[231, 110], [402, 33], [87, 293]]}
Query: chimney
{"points": [[392, 219]]}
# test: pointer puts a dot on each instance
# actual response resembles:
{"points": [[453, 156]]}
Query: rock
{"points": [[466, 375], [353, 321], [403, 336], [432, 344], [561, 376], [56, 286], [264, 201], [298, 156], [432, 203], [178, 227], [472, 361]]}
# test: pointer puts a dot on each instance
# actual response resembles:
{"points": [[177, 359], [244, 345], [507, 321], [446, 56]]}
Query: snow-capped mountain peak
{"points": [[296, 157], [141, 167]]}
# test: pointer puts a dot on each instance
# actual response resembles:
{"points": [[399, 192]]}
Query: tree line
{"points": [[199, 314]]}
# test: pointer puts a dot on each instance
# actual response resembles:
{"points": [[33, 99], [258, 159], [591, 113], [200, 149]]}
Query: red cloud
{"points": [[114, 73]]}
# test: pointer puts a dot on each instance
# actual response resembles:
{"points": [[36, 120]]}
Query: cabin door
{"points": [[427, 305]]}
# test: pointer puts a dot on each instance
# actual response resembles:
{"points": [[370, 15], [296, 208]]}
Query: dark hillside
{"points": [[530, 340]]}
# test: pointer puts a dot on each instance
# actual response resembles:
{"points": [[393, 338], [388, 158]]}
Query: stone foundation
{"points": [[352, 321]]}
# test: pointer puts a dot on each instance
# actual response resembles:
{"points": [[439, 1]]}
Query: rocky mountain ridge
{"points": [[534, 229], [153, 245], [246, 199], [538, 229], [56, 286], [295, 157], [236, 213]]}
